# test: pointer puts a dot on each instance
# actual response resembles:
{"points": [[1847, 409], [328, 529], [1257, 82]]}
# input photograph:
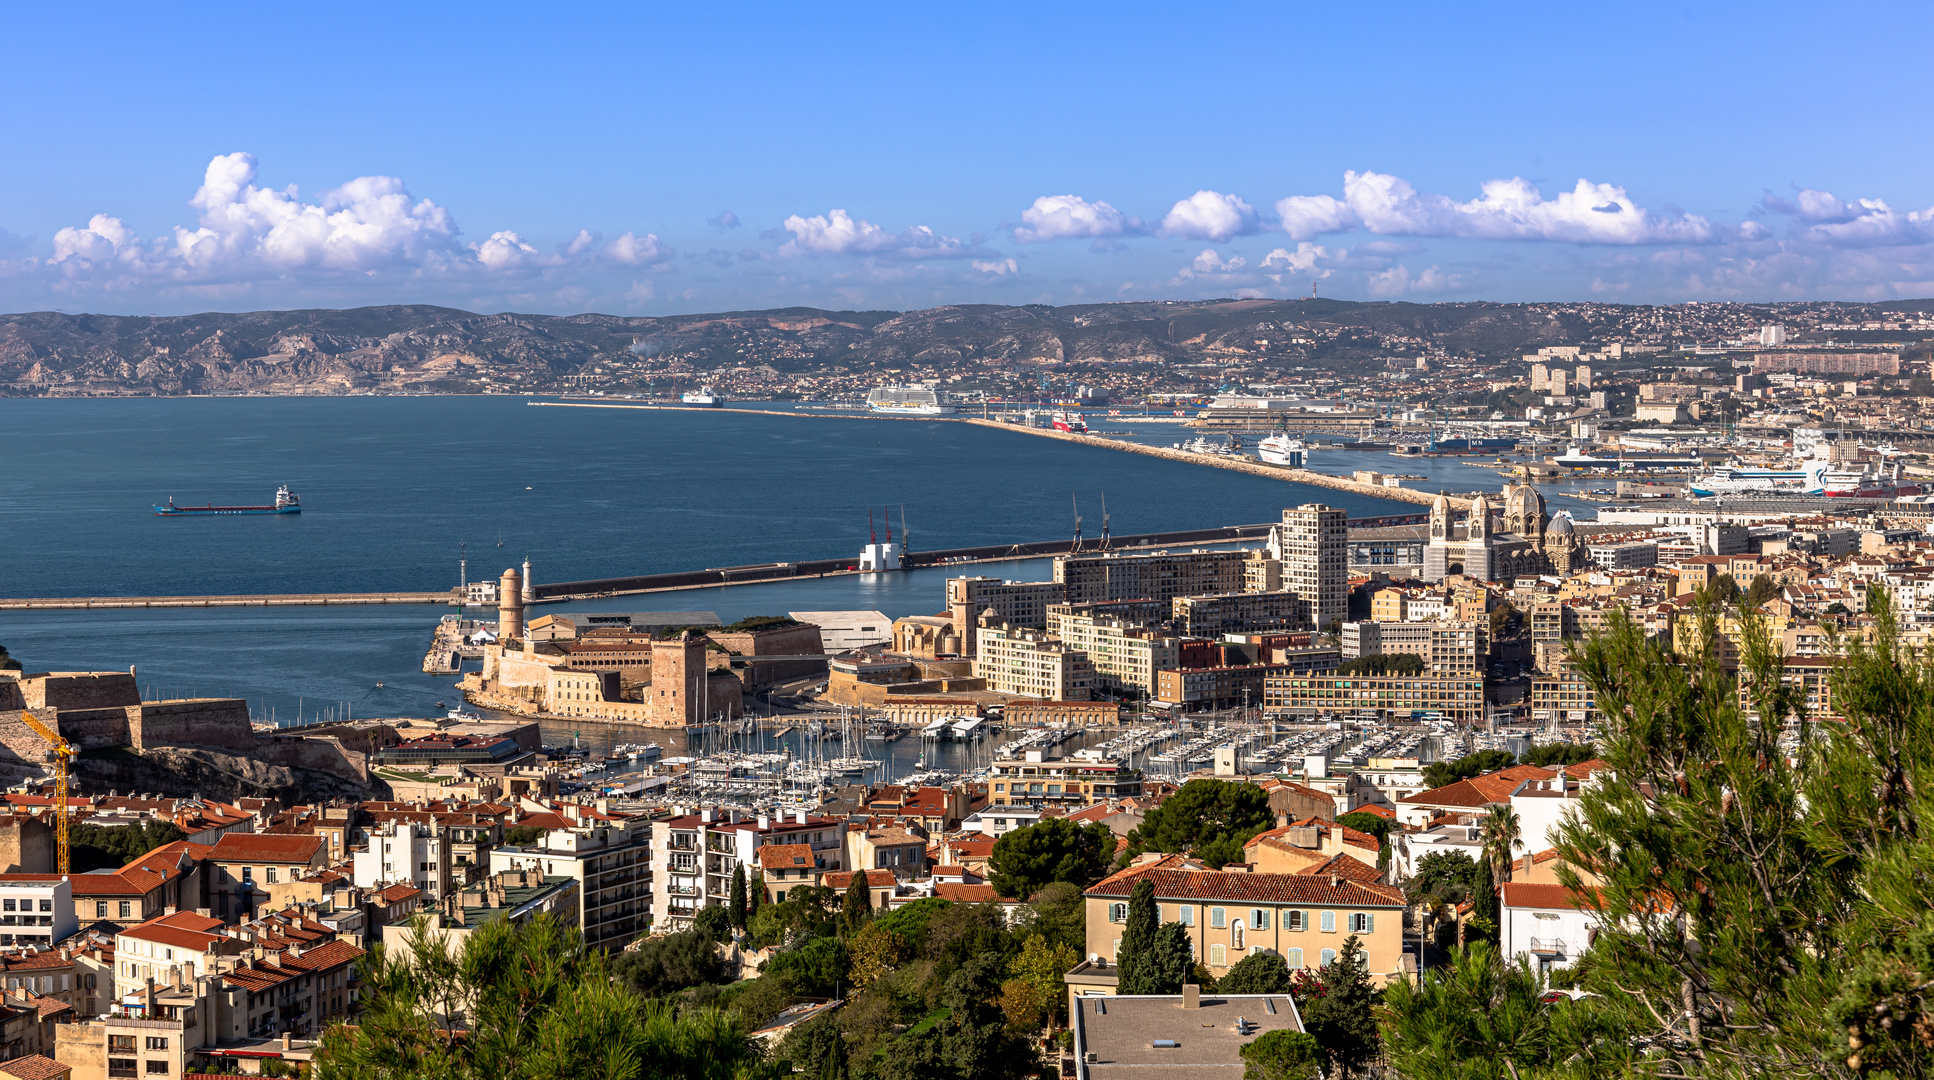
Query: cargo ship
{"points": [[286, 502]]}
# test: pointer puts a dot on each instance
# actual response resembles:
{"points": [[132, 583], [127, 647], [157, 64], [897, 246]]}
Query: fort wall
{"points": [[216, 723]]}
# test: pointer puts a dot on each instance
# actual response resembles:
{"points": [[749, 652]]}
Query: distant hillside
{"points": [[434, 349]]}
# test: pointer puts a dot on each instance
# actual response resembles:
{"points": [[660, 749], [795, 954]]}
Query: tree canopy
{"points": [[1026, 860], [1210, 819], [1551, 755]]}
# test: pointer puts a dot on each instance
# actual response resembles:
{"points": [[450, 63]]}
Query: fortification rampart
{"points": [[324, 753], [216, 723], [10, 698], [79, 690]]}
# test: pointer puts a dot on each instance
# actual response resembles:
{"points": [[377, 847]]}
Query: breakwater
{"points": [[1231, 462], [73, 603]]}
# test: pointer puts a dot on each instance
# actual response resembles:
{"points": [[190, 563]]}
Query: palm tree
{"points": [[1501, 836]]}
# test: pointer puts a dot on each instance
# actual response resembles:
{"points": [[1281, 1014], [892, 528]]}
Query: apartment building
{"points": [[1124, 655], [693, 856], [1028, 663], [247, 867], [1221, 687], [1315, 541], [1236, 613], [1563, 696], [36, 909], [1448, 697], [1304, 918], [1447, 647], [610, 860], [404, 852], [1160, 577], [1034, 779]]}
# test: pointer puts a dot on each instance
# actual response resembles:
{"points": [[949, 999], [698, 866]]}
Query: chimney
{"points": [[1191, 996], [148, 997], [288, 1041]]}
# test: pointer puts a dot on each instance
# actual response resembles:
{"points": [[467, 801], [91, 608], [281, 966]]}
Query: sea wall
{"points": [[1235, 464], [216, 723]]}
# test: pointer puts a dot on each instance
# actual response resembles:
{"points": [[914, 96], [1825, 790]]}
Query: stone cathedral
{"points": [[1521, 540]]}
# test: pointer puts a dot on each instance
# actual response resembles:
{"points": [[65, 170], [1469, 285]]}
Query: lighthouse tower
{"points": [[510, 605]]}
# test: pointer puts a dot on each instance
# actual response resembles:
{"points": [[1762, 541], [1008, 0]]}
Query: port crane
{"points": [[63, 750]]}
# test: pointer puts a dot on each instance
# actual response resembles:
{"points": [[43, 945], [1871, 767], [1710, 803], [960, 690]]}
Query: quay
{"points": [[77, 603]]}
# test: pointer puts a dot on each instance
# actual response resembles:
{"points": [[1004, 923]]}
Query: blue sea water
{"points": [[391, 486]]}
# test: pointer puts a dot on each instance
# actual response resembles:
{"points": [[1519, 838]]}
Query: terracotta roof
{"points": [[1344, 866], [1175, 884], [969, 894], [255, 847], [1524, 894], [36, 1067], [182, 929], [1480, 791], [785, 856], [1378, 810], [323, 956], [398, 893], [842, 879]]}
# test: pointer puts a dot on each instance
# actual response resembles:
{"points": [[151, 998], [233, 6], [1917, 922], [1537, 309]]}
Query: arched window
{"points": [[1235, 935]]}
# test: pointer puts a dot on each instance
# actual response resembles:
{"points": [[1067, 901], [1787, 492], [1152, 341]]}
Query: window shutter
{"points": [[1370, 924]]}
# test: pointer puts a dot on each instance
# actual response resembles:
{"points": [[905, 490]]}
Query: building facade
{"points": [[1315, 544]]}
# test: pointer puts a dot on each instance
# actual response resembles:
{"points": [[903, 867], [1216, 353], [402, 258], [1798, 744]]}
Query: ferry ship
{"points": [[286, 502], [1741, 480], [1070, 421], [909, 401], [1283, 450], [1857, 483], [704, 396]]}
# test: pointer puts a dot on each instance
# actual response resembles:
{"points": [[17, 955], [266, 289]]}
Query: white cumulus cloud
{"points": [[840, 233], [1059, 217], [1511, 209], [634, 250], [1209, 215], [1822, 217], [997, 267]]}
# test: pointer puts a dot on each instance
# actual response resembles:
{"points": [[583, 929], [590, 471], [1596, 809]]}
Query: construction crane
{"points": [[62, 751]]}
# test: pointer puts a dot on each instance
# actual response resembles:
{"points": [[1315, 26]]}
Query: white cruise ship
{"points": [[705, 396], [1283, 450], [909, 401]]}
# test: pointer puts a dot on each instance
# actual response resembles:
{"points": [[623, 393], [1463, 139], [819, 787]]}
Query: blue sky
{"points": [[652, 159]]}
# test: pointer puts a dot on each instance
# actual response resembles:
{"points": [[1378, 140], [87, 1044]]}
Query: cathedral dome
{"points": [[1561, 524]]}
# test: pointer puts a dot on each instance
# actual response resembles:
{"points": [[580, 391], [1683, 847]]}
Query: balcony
{"points": [[1549, 946]]}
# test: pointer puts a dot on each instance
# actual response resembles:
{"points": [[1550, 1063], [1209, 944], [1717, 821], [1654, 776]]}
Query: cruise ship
{"points": [[704, 396], [909, 401], [1283, 450]]}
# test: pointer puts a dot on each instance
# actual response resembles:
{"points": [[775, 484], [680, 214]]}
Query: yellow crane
{"points": [[62, 751]]}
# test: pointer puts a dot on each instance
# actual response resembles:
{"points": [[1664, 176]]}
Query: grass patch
{"points": [[928, 1022]]}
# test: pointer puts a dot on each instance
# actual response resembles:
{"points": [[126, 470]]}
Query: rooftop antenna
{"points": [[1104, 521], [1077, 524]]}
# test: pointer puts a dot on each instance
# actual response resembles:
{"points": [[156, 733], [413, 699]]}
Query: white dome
{"points": [[1561, 524]]}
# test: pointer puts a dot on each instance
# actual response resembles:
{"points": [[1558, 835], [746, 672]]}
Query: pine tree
{"points": [[737, 909], [1171, 961], [1341, 1019], [755, 898], [1135, 972], [855, 905]]}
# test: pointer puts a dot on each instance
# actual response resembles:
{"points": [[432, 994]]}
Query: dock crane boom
{"points": [[63, 750]]}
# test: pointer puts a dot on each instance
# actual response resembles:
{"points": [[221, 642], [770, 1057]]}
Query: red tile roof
{"points": [[1174, 884], [785, 856], [258, 848], [1525, 894], [36, 1067], [839, 880], [1480, 791], [969, 894], [1342, 865]]}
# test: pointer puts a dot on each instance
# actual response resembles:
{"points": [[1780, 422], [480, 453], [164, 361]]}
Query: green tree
{"points": [[754, 900], [1506, 620], [1283, 1055], [1342, 1019], [1551, 755], [815, 969], [1445, 773], [713, 922], [876, 952], [1502, 835], [1444, 872], [817, 1049], [1059, 913], [7, 663], [1257, 973], [1376, 826], [1724, 589], [736, 909], [1171, 961], [1134, 970], [1210, 819], [1042, 965], [1026, 860], [523, 835], [1762, 589], [857, 903], [669, 963], [1484, 1017], [535, 1004], [110, 847], [1755, 850]]}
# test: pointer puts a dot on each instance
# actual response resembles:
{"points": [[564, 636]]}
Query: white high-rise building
{"points": [[1772, 335], [1316, 560]]}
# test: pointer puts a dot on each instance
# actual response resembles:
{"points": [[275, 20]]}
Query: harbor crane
{"points": [[63, 750]]}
